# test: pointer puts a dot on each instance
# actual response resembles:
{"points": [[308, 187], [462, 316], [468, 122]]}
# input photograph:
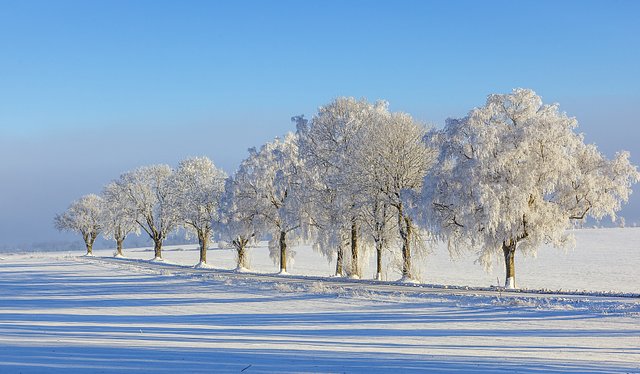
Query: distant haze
{"points": [[93, 89]]}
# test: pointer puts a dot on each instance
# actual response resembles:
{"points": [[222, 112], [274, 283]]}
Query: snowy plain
{"points": [[70, 314]]}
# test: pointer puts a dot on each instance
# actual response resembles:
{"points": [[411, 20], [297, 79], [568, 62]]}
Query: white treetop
{"points": [[84, 216], [266, 186], [199, 186], [514, 173], [150, 192], [119, 215]]}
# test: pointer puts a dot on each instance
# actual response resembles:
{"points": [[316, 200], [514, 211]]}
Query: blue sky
{"points": [[90, 89]]}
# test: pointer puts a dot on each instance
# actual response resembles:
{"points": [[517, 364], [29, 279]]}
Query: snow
{"points": [[74, 314], [203, 265], [604, 260]]}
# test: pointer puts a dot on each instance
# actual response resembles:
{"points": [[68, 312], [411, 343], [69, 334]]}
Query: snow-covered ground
{"points": [[68, 314], [603, 260]]}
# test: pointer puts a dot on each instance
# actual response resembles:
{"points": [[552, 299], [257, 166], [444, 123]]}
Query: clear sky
{"points": [[90, 89]]}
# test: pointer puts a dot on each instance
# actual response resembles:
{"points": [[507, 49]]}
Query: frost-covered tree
{"points": [[199, 186], [84, 216], [379, 224], [151, 194], [391, 162], [513, 174], [268, 182], [237, 223], [119, 215], [328, 144]]}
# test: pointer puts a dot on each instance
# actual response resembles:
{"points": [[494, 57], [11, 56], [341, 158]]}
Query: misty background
{"points": [[89, 90]]}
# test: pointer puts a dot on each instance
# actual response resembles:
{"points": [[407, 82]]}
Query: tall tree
{"points": [[513, 174], [391, 163], [268, 182], [199, 186], [237, 223], [327, 145], [153, 198], [119, 215], [84, 216]]}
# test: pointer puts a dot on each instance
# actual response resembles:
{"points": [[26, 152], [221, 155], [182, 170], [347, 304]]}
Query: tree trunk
{"points": [[404, 226], [157, 248], [89, 244], [379, 246], [355, 268], [241, 256], [509, 250], [240, 244], [406, 250], [119, 242], [340, 261], [203, 238], [283, 252]]}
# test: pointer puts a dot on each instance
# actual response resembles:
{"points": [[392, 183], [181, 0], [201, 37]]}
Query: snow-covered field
{"points": [[603, 260], [64, 313]]}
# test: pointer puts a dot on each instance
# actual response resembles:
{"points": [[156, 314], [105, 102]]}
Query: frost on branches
{"points": [[238, 220], [513, 174], [328, 145], [391, 163], [199, 186], [268, 184], [152, 196], [83, 216], [119, 215]]}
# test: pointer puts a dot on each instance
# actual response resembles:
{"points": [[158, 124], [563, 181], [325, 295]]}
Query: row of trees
{"points": [[509, 176]]}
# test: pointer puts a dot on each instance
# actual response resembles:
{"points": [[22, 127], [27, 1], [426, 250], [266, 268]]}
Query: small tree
{"points": [[513, 175], [199, 186], [152, 197], [119, 217], [84, 216]]}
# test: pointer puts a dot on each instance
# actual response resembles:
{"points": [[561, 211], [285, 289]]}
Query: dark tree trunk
{"points": [[283, 252], [241, 255], [355, 268], [404, 226], [340, 261], [379, 247], [203, 238], [406, 250], [240, 244], [509, 250], [89, 238], [157, 248], [119, 242]]}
